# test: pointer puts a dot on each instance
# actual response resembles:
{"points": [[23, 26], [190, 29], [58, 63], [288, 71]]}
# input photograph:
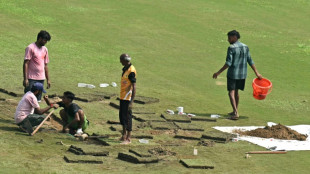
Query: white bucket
{"points": [[90, 86], [144, 141], [114, 84], [82, 85], [103, 85], [180, 110]]}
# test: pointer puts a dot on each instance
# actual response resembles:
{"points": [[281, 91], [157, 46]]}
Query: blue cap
{"points": [[38, 86]]}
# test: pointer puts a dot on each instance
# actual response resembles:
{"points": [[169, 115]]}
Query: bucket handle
{"points": [[269, 91]]}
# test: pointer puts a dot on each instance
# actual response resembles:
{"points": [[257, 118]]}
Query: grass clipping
{"points": [[277, 131]]}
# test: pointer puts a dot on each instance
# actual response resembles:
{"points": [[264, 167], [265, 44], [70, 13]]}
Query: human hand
{"points": [[259, 76], [48, 84], [45, 97], [55, 106], [215, 75], [25, 83]]}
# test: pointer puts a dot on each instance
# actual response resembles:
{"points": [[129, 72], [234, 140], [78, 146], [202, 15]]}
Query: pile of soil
{"points": [[206, 143], [159, 151], [277, 131]]}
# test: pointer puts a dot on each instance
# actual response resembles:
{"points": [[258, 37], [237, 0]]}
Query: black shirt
{"points": [[131, 76], [71, 110]]}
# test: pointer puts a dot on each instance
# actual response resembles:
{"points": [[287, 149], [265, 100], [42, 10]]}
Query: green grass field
{"points": [[176, 47]]}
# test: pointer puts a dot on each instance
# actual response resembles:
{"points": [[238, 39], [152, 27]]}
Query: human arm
{"points": [[47, 76], [225, 66], [251, 63], [25, 73], [133, 80], [259, 76], [43, 110], [133, 95], [49, 103]]}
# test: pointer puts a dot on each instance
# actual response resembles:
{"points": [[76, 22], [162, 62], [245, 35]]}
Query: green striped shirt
{"points": [[238, 55]]}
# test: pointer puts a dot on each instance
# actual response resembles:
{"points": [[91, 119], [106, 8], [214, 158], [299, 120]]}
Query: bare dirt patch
{"points": [[206, 143], [161, 132], [160, 151], [278, 131]]}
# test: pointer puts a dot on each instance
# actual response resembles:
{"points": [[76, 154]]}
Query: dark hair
{"points": [[44, 35], [33, 88], [234, 33], [69, 95], [124, 57]]}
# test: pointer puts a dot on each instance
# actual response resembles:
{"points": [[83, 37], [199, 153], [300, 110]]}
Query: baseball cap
{"points": [[38, 86]]}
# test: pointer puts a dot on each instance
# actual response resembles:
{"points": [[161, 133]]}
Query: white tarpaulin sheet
{"points": [[270, 143]]}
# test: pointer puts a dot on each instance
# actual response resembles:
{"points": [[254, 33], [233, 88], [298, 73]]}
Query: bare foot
{"points": [[126, 142], [233, 118]]}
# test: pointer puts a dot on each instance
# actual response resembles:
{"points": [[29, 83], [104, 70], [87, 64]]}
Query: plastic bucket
{"points": [[261, 88]]}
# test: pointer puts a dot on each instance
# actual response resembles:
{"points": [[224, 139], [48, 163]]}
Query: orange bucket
{"points": [[261, 88]]}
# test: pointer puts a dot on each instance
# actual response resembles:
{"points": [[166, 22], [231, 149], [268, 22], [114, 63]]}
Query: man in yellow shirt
{"points": [[127, 95]]}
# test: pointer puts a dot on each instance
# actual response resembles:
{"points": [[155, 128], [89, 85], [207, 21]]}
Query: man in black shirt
{"points": [[72, 115]]}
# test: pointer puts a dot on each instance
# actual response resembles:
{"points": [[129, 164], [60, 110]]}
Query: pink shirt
{"points": [[26, 106], [37, 57]]}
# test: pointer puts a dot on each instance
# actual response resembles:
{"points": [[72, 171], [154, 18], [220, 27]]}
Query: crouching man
{"points": [[72, 115], [28, 112]]}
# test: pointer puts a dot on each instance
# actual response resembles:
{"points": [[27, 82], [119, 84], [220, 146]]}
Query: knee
{"points": [[62, 113], [81, 114]]}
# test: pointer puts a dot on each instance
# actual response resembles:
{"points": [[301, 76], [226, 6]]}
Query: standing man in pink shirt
{"points": [[35, 63]]}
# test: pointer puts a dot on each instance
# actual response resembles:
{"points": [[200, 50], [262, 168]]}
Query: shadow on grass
{"points": [[8, 128], [202, 114], [228, 116], [6, 121]]}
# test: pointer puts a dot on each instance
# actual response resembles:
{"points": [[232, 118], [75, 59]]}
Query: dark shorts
{"points": [[31, 82], [34, 119], [234, 84], [125, 115]]}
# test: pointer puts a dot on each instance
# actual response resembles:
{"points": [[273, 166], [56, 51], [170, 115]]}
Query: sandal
{"points": [[233, 118], [231, 113]]}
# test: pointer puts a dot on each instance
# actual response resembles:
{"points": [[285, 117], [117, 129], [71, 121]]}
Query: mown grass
{"points": [[176, 47]]}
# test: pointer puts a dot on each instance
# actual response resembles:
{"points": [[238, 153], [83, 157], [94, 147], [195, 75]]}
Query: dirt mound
{"points": [[277, 131], [159, 151], [206, 143]]}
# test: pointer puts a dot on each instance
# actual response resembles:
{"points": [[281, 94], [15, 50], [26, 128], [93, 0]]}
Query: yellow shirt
{"points": [[126, 85]]}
